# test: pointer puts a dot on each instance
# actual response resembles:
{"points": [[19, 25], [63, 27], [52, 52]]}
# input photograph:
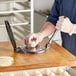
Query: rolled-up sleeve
{"points": [[54, 13]]}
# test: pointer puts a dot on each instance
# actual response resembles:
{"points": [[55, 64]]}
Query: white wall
{"points": [[43, 4]]}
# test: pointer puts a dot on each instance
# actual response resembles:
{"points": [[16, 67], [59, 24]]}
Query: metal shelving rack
{"points": [[20, 14]]}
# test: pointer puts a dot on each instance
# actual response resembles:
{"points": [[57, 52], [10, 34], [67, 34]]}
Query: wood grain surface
{"points": [[54, 56]]}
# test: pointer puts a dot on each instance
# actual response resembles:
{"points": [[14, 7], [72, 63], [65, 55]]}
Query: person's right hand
{"points": [[36, 37], [65, 25]]}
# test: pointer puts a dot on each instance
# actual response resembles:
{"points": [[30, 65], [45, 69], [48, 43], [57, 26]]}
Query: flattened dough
{"points": [[6, 61]]}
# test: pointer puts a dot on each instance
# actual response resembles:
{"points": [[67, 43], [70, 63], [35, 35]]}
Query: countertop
{"points": [[54, 56]]}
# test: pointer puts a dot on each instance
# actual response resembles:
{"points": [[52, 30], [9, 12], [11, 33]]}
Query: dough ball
{"points": [[46, 72], [36, 73], [6, 61], [7, 74], [33, 44], [21, 73], [52, 74], [59, 71]]}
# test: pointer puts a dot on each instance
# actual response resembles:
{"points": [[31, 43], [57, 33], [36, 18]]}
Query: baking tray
{"points": [[71, 71]]}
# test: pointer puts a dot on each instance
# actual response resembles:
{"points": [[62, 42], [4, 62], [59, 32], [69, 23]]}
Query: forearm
{"points": [[74, 29], [47, 29]]}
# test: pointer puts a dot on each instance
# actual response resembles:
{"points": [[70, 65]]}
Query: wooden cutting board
{"points": [[55, 56]]}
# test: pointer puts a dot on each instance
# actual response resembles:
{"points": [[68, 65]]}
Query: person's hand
{"points": [[64, 25], [33, 39]]}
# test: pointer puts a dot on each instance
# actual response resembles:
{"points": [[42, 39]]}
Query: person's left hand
{"points": [[64, 24]]}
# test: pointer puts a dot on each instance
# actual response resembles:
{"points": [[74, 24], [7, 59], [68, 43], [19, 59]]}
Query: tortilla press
{"points": [[24, 48]]}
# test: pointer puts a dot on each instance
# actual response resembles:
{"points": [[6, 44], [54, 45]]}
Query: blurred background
{"points": [[18, 13]]}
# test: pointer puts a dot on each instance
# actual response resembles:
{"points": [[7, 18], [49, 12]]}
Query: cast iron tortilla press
{"points": [[24, 48]]}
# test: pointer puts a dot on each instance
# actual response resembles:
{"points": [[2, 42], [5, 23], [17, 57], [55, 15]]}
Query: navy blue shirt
{"points": [[65, 8]]}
